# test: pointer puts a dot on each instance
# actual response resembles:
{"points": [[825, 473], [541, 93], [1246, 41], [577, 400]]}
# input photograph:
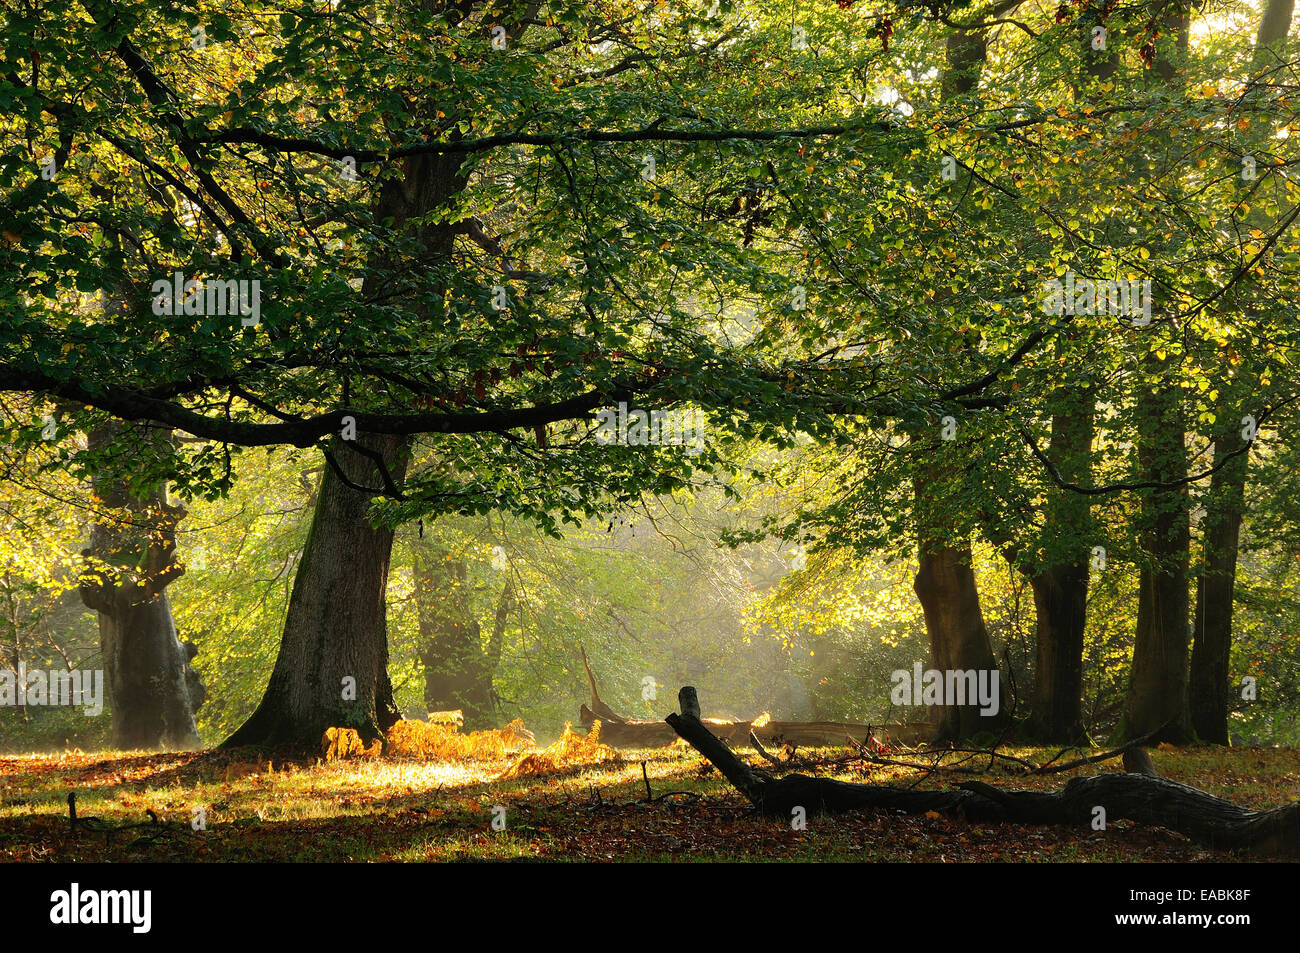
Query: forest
{"points": [[649, 430]]}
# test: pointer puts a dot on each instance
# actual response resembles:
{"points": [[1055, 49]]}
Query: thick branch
{"points": [[290, 144], [305, 431]]}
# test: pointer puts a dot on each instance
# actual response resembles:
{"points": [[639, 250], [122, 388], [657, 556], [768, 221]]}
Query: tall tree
{"points": [[333, 658], [152, 690], [945, 578], [1060, 582], [1209, 688], [1157, 703]]}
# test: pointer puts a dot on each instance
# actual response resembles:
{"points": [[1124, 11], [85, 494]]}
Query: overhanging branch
{"points": [[306, 431]]}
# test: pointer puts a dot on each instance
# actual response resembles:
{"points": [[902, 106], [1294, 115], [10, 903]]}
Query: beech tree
{"points": [[1210, 683], [393, 279], [152, 689]]}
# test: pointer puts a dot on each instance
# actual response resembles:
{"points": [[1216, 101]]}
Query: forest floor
{"points": [[410, 810]]}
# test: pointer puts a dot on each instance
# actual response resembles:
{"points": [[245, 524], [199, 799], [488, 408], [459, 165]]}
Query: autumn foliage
{"points": [[431, 741], [570, 749]]}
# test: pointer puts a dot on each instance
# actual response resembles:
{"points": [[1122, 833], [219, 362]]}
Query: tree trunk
{"points": [[1060, 604], [332, 670], [1209, 689], [1274, 25], [147, 675], [959, 640], [945, 586], [1157, 693], [800, 734], [152, 690], [1140, 797], [1061, 584], [1061, 587], [16, 627], [598, 708], [336, 624]]}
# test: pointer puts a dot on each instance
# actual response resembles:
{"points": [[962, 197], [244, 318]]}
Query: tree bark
{"points": [[945, 586], [1140, 797], [153, 692], [1209, 688], [620, 732], [1157, 692], [1060, 604], [804, 734], [148, 677], [598, 708], [1061, 586], [332, 669], [959, 640], [1274, 25]]}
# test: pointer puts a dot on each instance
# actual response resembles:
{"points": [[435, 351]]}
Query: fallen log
{"points": [[620, 732], [630, 733], [1144, 798], [634, 733]]}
